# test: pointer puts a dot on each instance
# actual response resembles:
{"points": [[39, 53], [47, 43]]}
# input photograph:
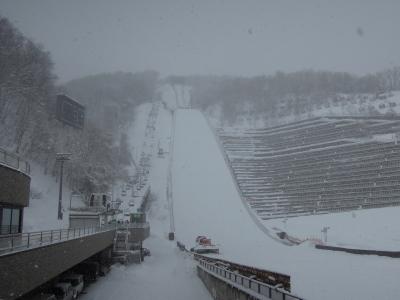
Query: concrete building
{"points": [[84, 219], [14, 192]]}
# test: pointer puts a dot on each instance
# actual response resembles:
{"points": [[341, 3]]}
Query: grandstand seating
{"points": [[316, 166]]}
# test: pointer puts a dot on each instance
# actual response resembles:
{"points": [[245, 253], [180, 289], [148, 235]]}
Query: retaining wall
{"points": [[219, 289], [23, 271], [394, 254]]}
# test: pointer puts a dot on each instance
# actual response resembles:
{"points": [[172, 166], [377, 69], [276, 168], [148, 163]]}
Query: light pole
{"points": [[61, 157], [325, 232]]}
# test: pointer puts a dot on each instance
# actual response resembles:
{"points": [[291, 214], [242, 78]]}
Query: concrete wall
{"points": [[14, 187], [219, 289], [83, 221], [23, 271], [139, 234]]}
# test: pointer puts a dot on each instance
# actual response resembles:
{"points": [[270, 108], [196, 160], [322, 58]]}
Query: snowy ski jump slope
{"points": [[206, 202]]}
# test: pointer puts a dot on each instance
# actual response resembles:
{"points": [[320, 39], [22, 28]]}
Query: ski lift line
{"points": [[169, 179]]}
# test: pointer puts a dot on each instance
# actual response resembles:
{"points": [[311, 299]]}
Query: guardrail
{"points": [[393, 254], [22, 241], [14, 161], [133, 225], [251, 287], [269, 277]]}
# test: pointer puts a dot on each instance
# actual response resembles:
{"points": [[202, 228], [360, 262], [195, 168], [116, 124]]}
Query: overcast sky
{"points": [[236, 37]]}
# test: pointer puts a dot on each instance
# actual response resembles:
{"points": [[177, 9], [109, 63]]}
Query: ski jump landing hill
{"points": [[206, 202]]}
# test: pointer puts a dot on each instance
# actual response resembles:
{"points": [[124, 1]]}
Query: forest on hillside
{"points": [[28, 123], [295, 93], [29, 127]]}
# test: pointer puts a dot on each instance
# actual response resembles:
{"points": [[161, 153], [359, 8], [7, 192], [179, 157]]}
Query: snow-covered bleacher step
{"points": [[316, 166]]}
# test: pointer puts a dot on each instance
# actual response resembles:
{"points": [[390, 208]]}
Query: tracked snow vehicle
{"points": [[204, 245]]}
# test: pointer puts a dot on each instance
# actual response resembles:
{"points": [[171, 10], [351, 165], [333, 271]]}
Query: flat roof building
{"points": [[14, 192]]}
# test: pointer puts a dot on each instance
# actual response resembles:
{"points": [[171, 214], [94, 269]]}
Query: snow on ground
{"points": [[182, 95], [169, 96], [42, 212], [376, 229], [206, 203], [167, 273]]}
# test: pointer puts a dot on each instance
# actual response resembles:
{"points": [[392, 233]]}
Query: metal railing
{"points": [[247, 285], [14, 161], [133, 225], [22, 241]]}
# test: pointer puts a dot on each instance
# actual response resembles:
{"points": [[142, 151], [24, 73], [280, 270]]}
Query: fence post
{"points": [[51, 236], [60, 233], [27, 244], [12, 242]]}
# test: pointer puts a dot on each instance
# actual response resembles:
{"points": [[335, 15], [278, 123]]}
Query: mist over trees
{"points": [[296, 91], [28, 125], [110, 100], [112, 97]]}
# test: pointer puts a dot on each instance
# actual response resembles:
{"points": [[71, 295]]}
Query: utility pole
{"points": [[61, 157]]}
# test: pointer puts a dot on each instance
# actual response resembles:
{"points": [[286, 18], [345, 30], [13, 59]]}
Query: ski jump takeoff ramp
{"points": [[206, 202]]}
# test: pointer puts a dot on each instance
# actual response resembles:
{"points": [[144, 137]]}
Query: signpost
{"points": [[61, 157]]}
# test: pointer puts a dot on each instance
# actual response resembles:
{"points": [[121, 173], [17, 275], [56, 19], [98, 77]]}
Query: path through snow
{"points": [[167, 273]]}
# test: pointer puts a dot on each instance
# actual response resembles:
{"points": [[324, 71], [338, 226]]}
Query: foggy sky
{"points": [[235, 37]]}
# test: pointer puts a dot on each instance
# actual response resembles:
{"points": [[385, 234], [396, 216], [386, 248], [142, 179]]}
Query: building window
{"points": [[15, 220], [10, 220]]}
